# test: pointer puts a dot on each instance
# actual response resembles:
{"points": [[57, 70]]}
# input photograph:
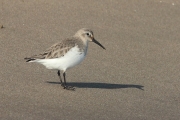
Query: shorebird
{"points": [[66, 54]]}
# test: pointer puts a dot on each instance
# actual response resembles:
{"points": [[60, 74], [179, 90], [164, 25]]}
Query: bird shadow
{"points": [[100, 85]]}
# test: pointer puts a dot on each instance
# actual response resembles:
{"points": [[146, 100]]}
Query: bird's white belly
{"points": [[72, 58]]}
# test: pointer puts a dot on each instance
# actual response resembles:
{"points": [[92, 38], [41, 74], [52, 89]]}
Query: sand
{"points": [[135, 78]]}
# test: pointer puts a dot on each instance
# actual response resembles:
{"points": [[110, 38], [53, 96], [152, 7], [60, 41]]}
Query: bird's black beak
{"points": [[95, 41]]}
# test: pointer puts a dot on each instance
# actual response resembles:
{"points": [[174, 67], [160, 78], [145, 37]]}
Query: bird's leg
{"points": [[59, 76], [65, 84], [64, 75]]}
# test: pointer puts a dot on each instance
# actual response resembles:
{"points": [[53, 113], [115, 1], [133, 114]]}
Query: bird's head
{"points": [[87, 36]]}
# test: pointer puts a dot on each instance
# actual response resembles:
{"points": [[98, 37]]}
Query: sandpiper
{"points": [[66, 54]]}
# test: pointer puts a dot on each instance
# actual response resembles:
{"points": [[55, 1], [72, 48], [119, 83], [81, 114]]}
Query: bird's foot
{"points": [[68, 87]]}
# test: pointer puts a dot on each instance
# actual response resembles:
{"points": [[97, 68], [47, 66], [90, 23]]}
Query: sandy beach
{"points": [[137, 77]]}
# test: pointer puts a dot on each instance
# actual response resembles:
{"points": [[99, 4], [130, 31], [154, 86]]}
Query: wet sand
{"points": [[135, 78]]}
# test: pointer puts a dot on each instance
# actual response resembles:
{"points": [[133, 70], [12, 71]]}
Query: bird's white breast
{"points": [[72, 58]]}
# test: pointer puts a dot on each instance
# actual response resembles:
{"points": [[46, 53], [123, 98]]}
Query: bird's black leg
{"points": [[64, 75], [59, 76], [65, 84]]}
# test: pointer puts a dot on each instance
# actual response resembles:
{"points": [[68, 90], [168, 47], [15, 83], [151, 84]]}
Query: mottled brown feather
{"points": [[59, 49]]}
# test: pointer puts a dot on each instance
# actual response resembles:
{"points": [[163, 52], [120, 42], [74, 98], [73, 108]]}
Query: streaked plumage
{"points": [[66, 54]]}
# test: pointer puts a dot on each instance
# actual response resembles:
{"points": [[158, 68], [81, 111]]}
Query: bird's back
{"points": [[58, 50]]}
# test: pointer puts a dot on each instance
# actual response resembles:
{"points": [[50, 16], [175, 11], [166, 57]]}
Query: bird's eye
{"points": [[87, 34]]}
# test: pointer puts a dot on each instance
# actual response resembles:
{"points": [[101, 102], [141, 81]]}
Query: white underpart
{"points": [[72, 58]]}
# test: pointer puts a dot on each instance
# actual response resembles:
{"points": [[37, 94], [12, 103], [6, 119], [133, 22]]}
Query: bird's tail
{"points": [[29, 59]]}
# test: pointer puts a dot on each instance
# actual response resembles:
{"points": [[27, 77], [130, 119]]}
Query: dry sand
{"points": [[136, 78]]}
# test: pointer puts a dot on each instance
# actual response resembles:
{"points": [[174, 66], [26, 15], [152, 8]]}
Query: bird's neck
{"points": [[86, 47], [82, 43]]}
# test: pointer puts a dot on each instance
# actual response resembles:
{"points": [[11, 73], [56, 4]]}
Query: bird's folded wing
{"points": [[55, 51]]}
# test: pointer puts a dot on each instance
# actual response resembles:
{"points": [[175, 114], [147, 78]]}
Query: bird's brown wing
{"points": [[55, 51], [59, 49]]}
